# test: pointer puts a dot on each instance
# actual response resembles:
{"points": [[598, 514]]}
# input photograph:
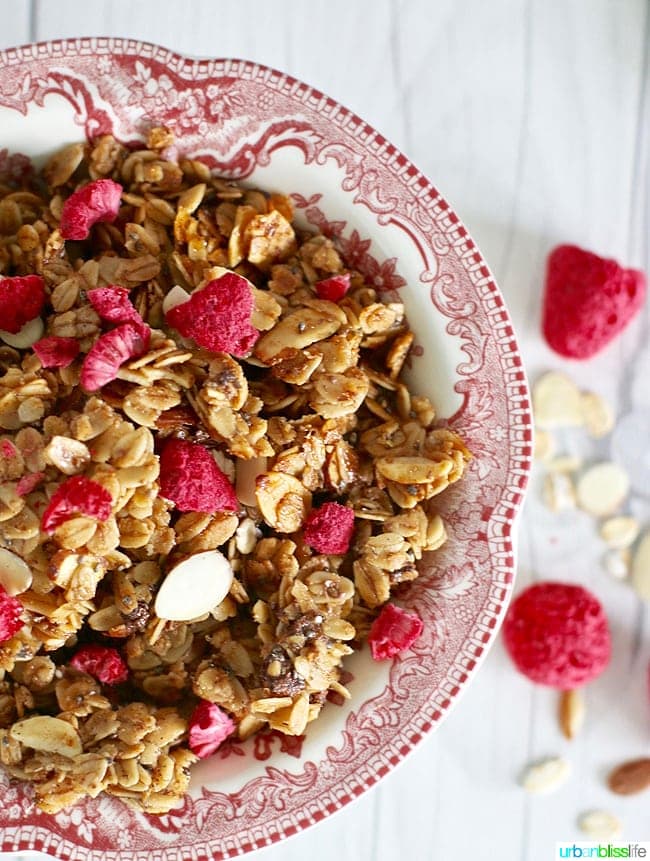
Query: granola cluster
{"points": [[307, 423]]}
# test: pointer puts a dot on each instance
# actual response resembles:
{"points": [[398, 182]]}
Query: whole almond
{"points": [[571, 713], [630, 777], [546, 775]]}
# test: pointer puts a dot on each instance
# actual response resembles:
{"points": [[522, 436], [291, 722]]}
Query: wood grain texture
{"points": [[533, 116]]}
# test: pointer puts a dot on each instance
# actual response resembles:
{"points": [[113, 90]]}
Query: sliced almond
{"points": [[48, 734], [15, 573], [600, 825], [246, 472], [544, 445], [641, 568], [176, 296], [557, 402], [558, 492], [246, 536], [630, 777], [571, 713], [617, 563], [602, 489], [597, 415], [28, 335], [619, 532], [546, 775], [195, 586], [564, 463]]}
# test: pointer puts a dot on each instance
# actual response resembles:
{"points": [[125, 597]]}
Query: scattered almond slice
{"points": [[571, 713], [15, 573], [558, 492], [49, 734], [617, 563], [176, 296], [641, 568], [544, 445], [557, 402], [564, 463], [195, 586], [597, 414], [600, 825], [546, 775], [31, 332], [602, 489], [619, 532]]}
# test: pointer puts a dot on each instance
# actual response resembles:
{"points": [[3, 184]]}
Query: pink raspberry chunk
{"points": [[393, 631], [334, 288], [210, 726], [102, 662], [95, 202], [557, 635], [10, 621], [192, 480], [56, 352], [21, 300], [76, 495], [329, 528]]}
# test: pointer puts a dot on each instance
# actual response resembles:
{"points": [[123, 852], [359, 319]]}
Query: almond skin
{"points": [[630, 777]]}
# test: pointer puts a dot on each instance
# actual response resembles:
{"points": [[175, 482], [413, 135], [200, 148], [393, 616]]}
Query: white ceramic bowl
{"points": [[253, 123]]}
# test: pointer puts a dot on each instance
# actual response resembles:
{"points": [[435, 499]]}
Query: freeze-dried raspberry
{"points": [[56, 352], [28, 482], [101, 662], [113, 304], [191, 479], [334, 288], [21, 299], [10, 621], [109, 352], [393, 631], [218, 317], [97, 201], [329, 528], [588, 301], [209, 727], [77, 495], [557, 635]]}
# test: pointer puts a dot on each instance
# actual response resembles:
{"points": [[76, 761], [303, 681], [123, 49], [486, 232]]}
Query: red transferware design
{"points": [[252, 122]]}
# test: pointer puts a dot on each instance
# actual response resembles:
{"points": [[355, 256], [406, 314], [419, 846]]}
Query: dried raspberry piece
{"points": [[334, 288], [557, 635], [28, 482], [393, 631], [191, 479], [101, 662], [209, 727], [113, 304], [10, 621], [97, 201], [587, 301], [218, 317], [21, 299], [109, 352], [56, 352], [77, 495], [329, 529]]}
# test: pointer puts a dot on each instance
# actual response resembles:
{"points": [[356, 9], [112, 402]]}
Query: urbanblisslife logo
{"points": [[602, 850]]}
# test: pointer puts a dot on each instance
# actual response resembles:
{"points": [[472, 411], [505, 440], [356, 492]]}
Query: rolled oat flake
{"points": [[195, 586]]}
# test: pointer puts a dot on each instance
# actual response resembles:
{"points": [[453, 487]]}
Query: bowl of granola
{"points": [[264, 434]]}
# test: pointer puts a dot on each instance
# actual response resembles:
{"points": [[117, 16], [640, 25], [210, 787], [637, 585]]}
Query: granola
{"points": [[229, 619]]}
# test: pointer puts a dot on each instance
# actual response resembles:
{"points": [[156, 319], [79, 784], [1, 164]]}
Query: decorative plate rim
{"points": [[506, 509]]}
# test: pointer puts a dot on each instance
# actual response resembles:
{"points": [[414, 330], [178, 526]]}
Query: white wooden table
{"points": [[533, 117]]}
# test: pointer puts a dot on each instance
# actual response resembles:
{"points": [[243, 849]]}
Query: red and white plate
{"points": [[254, 123]]}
